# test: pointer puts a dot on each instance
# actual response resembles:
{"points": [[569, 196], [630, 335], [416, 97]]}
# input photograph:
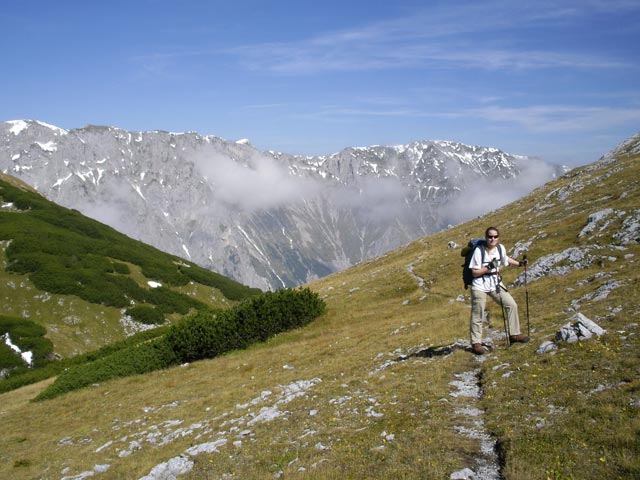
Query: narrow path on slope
{"points": [[469, 417], [466, 394], [466, 412], [420, 280]]}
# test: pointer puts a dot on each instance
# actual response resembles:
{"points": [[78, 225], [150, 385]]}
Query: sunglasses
{"points": [[492, 236]]}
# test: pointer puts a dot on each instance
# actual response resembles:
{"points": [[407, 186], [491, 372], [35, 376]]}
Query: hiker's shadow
{"points": [[439, 351], [431, 352]]}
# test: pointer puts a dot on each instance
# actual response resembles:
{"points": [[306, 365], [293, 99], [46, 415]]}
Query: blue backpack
{"points": [[467, 253]]}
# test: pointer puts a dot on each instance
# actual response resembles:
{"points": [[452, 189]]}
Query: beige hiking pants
{"points": [[478, 304]]}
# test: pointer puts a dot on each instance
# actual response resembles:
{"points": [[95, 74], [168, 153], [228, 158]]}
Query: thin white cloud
{"points": [[303, 59], [262, 106], [517, 59], [535, 118], [453, 36], [556, 118], [435, 38], [346, 111]]}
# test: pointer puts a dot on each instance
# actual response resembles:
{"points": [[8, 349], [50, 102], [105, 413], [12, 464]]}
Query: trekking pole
{"points": [[526, 292], [504, 316]]}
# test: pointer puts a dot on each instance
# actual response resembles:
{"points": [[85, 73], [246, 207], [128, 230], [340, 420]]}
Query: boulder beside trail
{"points": [[578, 328]]}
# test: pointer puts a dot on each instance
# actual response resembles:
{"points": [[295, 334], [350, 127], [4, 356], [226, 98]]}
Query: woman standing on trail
{"points": [[485, 268]]}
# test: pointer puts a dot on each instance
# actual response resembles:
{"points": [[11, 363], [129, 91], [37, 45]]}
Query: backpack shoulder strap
{"points": [[482, 252], [502, 253]]}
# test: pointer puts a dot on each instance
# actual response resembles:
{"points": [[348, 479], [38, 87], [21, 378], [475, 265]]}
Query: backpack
{"points": [[467, 253]]}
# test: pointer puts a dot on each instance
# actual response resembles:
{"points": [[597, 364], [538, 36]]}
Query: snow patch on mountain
{"points": [[17, 126], [225, 205], [27, 356]]}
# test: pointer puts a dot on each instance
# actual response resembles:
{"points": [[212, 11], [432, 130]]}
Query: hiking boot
{"points": [[520, 338], [477, 348]]}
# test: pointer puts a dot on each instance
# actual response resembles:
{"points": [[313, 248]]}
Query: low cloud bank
{"points": [[487, 194], [258, 182], [378, 199]]}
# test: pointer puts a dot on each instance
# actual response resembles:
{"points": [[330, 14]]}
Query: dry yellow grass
{"points": [[330, 401]]}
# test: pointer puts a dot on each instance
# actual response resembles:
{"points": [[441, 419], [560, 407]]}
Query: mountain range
{"points": [[266, 219], [383, 384]]}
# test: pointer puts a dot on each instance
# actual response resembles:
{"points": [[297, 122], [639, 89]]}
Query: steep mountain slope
{"points": [[88, 284], [266, 219], [381, 385]]}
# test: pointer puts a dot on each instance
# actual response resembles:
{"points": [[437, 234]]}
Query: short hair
{"points": [[486, 232]]}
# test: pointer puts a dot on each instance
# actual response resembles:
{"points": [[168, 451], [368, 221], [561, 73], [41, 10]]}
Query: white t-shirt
{"points": [[487, 283]]}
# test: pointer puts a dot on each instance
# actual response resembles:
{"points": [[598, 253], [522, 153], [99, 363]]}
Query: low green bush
{"points": [[205, 334], [107, 350], [28, 336], [169, 301], [22, 375], [229, 288], [20, 327], [146, 314], [9, 359], [66, 253], [145, 357], [121, 268]]}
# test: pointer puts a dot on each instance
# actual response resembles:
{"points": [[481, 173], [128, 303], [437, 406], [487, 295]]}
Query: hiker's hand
{"points": [[493, 264], [523, 263]]}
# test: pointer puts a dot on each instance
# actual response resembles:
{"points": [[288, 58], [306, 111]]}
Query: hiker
{"points": [[485, 268]]}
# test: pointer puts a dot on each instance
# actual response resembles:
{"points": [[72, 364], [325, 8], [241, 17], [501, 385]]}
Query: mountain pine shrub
{"points": [[169, 301], [67, 253], [19, 377], [145, 314], [121, 268], [229, 288], [206, 335], [29, 337], [9, 360], [143, 358]]}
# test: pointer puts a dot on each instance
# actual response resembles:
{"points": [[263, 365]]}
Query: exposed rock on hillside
{"points": [[266, 219]]}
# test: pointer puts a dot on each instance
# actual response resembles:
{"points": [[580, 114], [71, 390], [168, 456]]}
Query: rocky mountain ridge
{"points": [[266, 219], [382, 386]]}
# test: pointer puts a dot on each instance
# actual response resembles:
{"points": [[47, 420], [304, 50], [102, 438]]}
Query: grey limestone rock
{"points": [[578, 328], [267, 219]]}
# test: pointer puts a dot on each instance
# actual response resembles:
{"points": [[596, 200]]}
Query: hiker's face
{"points": [[492, 237]]}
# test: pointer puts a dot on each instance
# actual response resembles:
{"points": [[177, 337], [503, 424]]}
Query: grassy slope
{"points": [[569, 415], [76, 325]]}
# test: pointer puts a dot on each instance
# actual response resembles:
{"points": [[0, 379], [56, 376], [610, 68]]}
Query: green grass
{"points": [[87, 284], [572, 415]]}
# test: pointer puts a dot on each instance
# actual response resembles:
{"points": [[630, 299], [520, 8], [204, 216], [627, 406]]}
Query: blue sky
{"points": [[555, 79]]}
